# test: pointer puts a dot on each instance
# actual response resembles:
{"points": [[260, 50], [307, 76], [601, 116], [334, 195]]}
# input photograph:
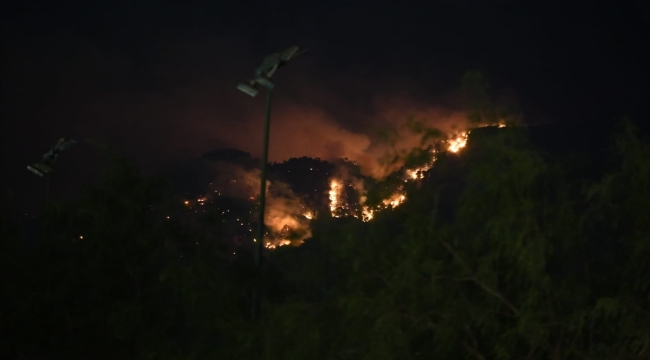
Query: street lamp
{"points": [[45, 167], [262, 77], [265, 72]]}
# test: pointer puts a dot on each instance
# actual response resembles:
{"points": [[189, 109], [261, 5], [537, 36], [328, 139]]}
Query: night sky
{"points": [[156, 79]]}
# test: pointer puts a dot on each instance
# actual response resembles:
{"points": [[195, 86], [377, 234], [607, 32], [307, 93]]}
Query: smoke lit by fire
{"points": [[286, 217]]}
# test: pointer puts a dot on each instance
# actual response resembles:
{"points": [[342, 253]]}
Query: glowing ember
{"points": [[309, 215]]}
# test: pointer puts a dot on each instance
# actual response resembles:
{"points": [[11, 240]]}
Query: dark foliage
{"points": [[510, 251]]}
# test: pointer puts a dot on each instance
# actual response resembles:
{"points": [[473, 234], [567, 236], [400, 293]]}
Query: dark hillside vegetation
{"points": [[512, 250]]}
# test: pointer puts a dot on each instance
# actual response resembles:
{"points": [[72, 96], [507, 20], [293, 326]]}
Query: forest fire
{"points": [[367, 214], [395, 200], [458, 142], [288, 216], [276, 244], [454, 145], [334, 195]]}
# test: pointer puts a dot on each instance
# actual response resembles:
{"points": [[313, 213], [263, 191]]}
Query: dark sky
{"points": [[156, 79]]}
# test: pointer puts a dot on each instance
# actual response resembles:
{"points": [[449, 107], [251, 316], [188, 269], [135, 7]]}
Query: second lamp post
{"points": [[262, 77]]}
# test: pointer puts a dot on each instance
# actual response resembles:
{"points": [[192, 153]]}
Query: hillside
{"points": [[505, 248]]}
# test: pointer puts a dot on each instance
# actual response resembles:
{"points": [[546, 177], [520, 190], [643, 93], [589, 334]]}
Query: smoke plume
{"points": [[284, 211]]}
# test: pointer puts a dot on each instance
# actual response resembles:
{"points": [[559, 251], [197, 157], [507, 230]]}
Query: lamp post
{"points": [[45, 167], [262, 77]]}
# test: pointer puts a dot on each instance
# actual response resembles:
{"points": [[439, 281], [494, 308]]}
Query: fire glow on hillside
{"points": [[453, 144], [334, 195], [288, 217], [337, 205]]}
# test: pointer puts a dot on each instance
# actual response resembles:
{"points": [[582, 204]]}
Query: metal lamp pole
{"points": [[265, 160], [263, 76], [45, 168], [48, 189]]}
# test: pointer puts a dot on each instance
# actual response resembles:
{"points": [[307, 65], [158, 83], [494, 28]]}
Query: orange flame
{"points": [[334, 195], [458, 142]]}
